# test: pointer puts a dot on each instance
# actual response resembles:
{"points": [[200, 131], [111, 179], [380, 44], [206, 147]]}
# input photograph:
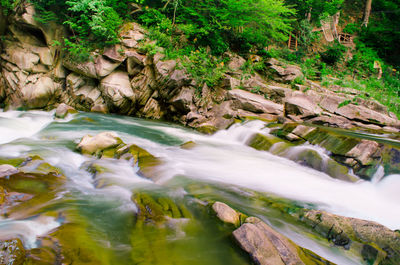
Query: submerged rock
{"points": [[12, 252]]}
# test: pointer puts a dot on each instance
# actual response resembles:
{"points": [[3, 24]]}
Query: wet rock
{"points": [[253, 103], [364, 152], [268, 247], [188, 145], [139, 156], [12, 252], [263, 142], [99, 108], [302, 131], [153, 210], [7, 170], [366, 237], [96, 145], [63, 110], [226, 214]]}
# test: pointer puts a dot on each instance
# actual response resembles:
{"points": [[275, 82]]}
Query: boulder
{"points": [[236, 62], [117, 90], [183, 101], [364, 152], [115, 53], [83, 91], [7, 170], [12, 252], [253, 102], [21, 57], [87, 69], [265, 245], [226, 214], [95, 145], [300, 105], [283, 72], [376, 243], [63, 110], [104, 66], [40, 91]]}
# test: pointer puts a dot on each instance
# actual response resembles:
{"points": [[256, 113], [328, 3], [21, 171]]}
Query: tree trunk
{"points": [[367, 13]]}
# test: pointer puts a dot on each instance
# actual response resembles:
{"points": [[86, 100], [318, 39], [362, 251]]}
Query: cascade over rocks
{"points": [[122, 79]]}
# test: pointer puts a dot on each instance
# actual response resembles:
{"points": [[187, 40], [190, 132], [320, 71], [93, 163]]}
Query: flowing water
{"points": [[219, 167]]}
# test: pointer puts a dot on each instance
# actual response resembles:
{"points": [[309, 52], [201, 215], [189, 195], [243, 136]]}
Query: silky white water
{"points": [[224, 158]]}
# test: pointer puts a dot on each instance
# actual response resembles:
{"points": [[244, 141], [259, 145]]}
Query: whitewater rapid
{"points": [[223, 157]]}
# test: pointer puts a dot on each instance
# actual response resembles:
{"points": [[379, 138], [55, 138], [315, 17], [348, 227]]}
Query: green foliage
{"points": [[383, 33], [95, 19], [352, 28], [215, 23], [204, 67], [318, 8], [333, 54], [7, 6]]}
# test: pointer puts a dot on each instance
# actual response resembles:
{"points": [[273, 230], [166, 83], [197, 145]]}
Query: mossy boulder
{"points": [[12, 252], [155, 210], [263, 142], [375, 243], [102, 144], [139, 156], [207, 129]]}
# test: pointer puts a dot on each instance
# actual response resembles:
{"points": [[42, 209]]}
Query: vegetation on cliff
{"points": [[199, 33]]}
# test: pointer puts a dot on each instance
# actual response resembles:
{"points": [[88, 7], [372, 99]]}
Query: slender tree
{"points": [[367, 13]]}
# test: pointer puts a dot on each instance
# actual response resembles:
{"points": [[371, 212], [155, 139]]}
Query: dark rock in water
{"points": [[374, 242], [12, 252]]}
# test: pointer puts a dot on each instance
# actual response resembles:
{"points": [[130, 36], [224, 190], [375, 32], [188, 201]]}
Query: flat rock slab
{"points": [[265, 245], [253, 102]]}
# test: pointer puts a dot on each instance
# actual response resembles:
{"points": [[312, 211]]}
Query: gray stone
{"points": [[7, 170], [253, 102], [226, 214]]}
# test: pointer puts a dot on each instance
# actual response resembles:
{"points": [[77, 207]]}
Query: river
{"points": [[218, 167]]}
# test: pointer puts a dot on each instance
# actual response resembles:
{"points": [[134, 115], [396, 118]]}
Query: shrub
{"points": [[333, 54]]}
